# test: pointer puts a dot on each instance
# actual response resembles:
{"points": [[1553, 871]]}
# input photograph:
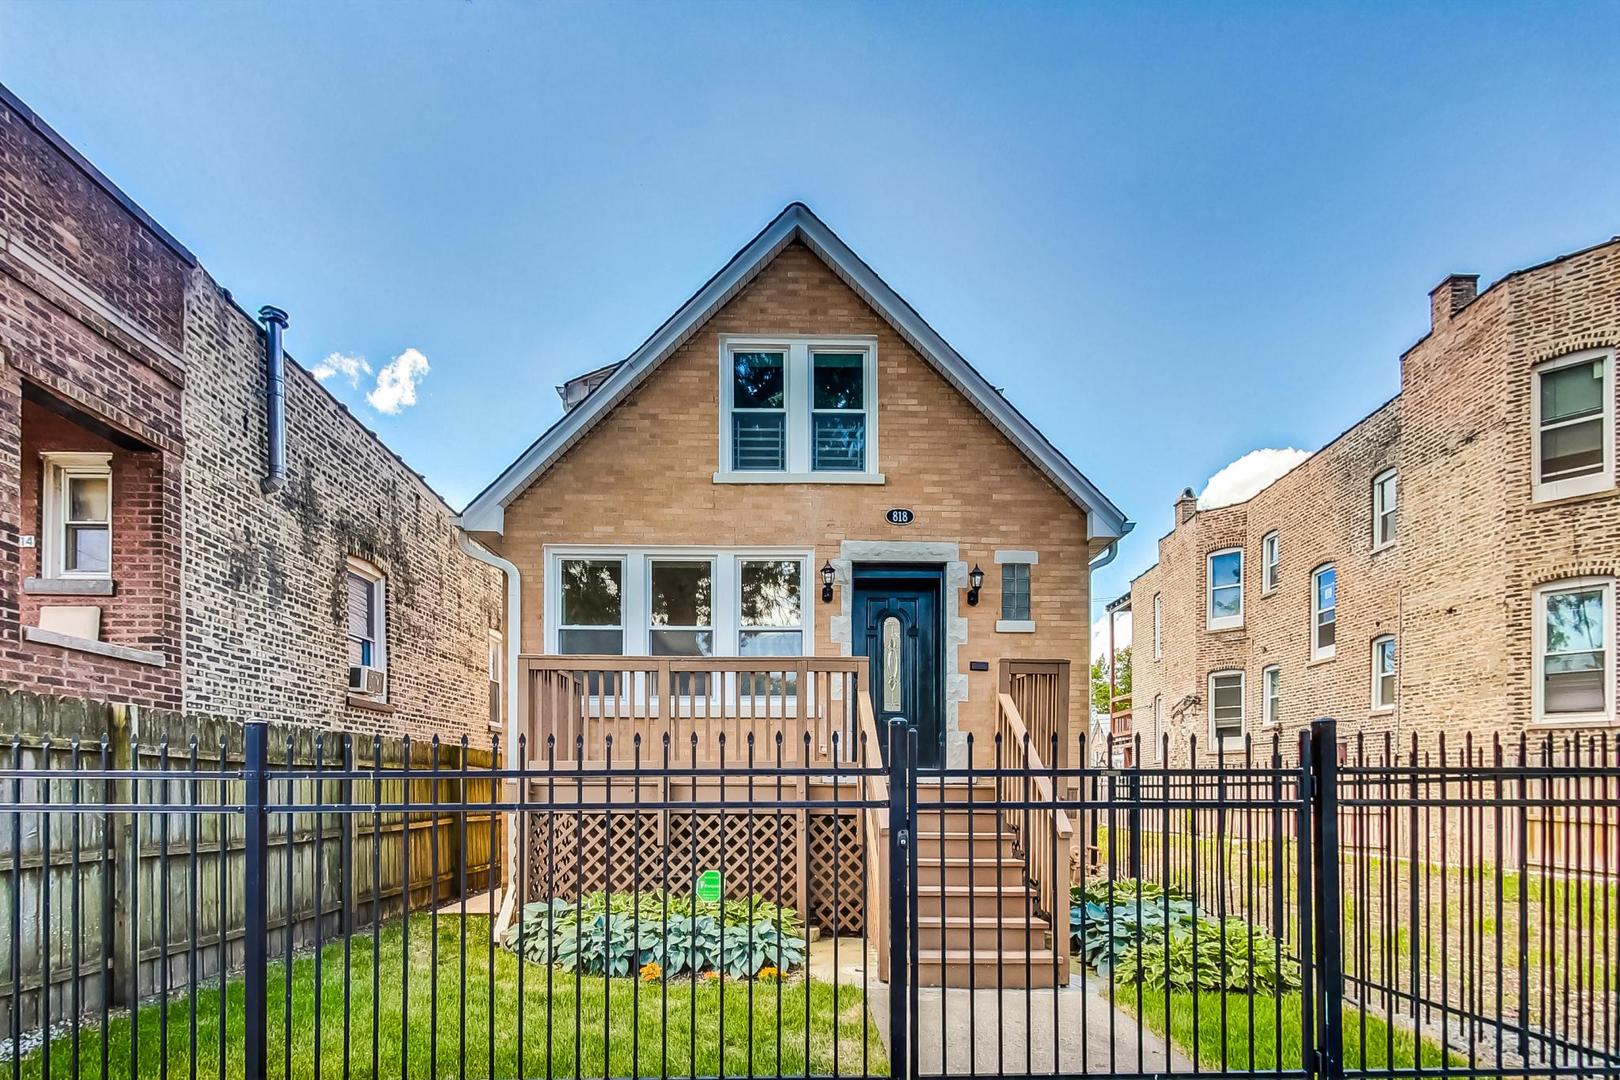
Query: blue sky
{"points": [[1174, 233]]}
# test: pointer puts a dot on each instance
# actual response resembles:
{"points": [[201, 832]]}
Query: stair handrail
{"points": [[876, 817], [1047, 847]]}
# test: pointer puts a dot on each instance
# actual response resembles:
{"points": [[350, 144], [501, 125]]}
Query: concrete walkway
{"points": [[1073, 1029]]}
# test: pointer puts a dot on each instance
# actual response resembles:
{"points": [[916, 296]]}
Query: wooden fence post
{"points": [[122, 866]]}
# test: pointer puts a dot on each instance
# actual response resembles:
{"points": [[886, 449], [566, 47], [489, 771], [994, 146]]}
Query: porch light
{"points": [[827, 573], [975, 583]]}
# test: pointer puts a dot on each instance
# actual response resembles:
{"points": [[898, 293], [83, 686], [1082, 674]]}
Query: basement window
{"points": [[77, 510]]}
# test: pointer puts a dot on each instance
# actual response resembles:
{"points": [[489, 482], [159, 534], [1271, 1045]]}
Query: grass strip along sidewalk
{"points": [[406, 1048]]}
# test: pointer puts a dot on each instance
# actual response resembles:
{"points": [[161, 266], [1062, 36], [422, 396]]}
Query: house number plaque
{"points": [[900, 515]]}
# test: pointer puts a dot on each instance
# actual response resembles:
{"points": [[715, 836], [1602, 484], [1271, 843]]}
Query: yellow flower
{"points": [[768, 972], [651, 972], [711, 974]]}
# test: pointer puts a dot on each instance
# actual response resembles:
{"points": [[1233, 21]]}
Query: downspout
{"points": [[275, 399], [512, 636], [1111, 552]]}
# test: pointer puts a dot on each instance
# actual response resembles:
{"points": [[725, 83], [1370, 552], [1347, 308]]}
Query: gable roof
{"points": [[486, 512]]}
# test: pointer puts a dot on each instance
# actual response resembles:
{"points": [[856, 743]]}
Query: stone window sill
{"points": [[357, 701], [828, 477], [1015, 626], [70, 586], [100, 648]]}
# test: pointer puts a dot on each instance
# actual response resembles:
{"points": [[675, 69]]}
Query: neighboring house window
{"points": [[77, 508], [1158, 627], [1225, 589], [366, 600], [496, 667], [677, 602], [1575, 623], [1270, 561], [1383, 673], [1226, 708], [591, 619], [1271, 695], [1384, 509], [798, 409], [1324, 611], [1572, 405], [1155, 749]]}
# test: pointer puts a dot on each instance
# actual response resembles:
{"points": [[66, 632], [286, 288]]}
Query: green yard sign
{"points": [[708, 886]]}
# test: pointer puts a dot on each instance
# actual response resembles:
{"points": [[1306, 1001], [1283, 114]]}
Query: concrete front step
{"points": [[985, 938], [1010, 969]]}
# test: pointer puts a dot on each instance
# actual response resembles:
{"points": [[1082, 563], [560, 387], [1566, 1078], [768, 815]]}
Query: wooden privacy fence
{"points": [[108, 908]]}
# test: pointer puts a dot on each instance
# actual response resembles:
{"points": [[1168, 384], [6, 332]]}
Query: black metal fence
{"points": [[1287, 910]]}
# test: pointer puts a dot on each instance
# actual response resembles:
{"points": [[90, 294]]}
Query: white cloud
{"points": [[1248, 476], [396, 382], [348, 365]]}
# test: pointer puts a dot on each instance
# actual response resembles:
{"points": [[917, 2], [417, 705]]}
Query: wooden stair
{"points": [[976, 921]]}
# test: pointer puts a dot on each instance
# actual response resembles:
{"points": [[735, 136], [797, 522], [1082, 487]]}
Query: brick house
{"points": [[153, 548], [1446, 566], [792, 458]]}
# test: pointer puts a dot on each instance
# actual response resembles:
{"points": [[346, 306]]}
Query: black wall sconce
{"points": [[827, 574], [975, 583]]}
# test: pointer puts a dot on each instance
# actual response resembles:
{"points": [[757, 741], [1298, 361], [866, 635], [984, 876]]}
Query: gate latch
{"points": [[903, 837]]}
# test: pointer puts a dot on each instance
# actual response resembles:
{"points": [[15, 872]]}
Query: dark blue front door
{"points": [[895, 619]]}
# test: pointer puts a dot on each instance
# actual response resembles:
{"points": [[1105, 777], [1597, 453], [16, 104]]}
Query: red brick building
{"points": [[1447, 565], [151, 549]]}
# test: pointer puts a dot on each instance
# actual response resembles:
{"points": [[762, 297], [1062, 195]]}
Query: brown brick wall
{"points": [[645, 476], [1458, 585]]}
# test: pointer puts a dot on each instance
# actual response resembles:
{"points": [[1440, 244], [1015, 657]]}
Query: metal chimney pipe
{"points": [[275, 398]]}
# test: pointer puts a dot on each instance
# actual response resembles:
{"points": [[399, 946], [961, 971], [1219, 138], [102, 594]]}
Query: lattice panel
{"points": [[775, 852], [837, 873], [570, 854]]}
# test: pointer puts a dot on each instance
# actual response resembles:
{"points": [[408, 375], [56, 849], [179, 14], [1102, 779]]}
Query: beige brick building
{"points": [[151, 551], [1447, 565], [759, 442]]}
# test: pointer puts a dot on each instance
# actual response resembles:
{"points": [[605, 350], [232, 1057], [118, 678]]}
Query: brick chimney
{"points": [[1186, 506], [1450, 297]]}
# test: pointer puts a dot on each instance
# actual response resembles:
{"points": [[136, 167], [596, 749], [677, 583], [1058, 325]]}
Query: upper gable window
{"points": [[1572, 448], [798, 409]]}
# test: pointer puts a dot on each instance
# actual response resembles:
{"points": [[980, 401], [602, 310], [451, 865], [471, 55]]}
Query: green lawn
{"points": [[608, 1020], [1209, 1039]]}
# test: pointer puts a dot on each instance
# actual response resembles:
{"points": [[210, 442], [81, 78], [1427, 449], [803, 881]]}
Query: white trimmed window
{"points": [[1155, 747], [1383, 673], [1575, 624], [677, 602], [1270, 695], [1572, 425], [1225, 589], [1225, 709], [797, 409], [1324, 611], [1270, 561], [1385, 507], [1158, 627], [366, 621], [77, 514], [1017, 573]]}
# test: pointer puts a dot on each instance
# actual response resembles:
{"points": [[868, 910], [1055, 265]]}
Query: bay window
{"points": [[680, 594], [798, 410], [591, 606], [1574, 654]]}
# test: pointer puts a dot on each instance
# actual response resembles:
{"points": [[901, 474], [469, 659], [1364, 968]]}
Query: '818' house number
{"points": [[900, 515]]}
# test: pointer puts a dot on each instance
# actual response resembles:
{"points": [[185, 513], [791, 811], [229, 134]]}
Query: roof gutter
{"points": [[1111, 552]]}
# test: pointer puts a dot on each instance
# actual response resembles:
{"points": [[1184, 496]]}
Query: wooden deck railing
{"points": [[1040, 690], [1045, 838], [875, 831], [595, 706]]}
